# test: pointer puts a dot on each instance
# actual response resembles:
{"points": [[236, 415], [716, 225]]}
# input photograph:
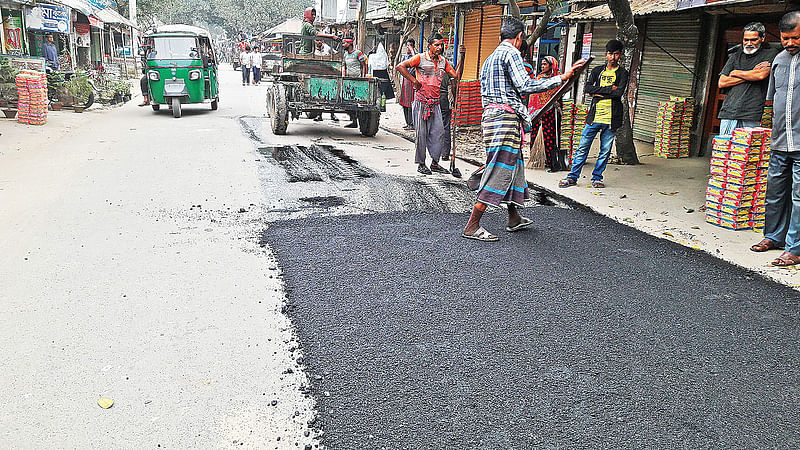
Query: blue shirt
{"points": [[504, 80], [51, 55]]}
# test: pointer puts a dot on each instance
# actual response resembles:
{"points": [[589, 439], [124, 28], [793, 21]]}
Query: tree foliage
{"points": [[251, 16], [411, 16]]}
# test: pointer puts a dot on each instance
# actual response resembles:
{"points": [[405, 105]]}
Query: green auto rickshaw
{"points": [[180, 66]]}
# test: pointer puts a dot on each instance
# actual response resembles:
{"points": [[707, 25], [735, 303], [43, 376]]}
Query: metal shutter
{"points": [[472, 40], [662, 76], [490, 37], [602, 32]]}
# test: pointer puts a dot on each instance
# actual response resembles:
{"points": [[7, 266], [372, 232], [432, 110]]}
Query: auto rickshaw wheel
{"points": [[368, 122], [156, 106], [176, 107], [215, 104], [279, 114]]}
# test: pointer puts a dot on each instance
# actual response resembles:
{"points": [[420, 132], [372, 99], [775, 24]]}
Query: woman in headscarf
{"points": [[551, 120], [379, 64], [407, 92]]}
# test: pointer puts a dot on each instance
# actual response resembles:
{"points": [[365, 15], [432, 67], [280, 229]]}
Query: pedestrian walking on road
{"points": [[746, 78], [354, 64], [606, 85], [503, 81], [246, 62], [257, 61], [782, 221], [430, 68], [407, 87]]}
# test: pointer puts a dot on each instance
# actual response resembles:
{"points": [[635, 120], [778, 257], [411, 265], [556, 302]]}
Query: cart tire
{"points": [[368, 122], [90, 101], [279, 113], [176, 107], [156, 106], [215, 104]]}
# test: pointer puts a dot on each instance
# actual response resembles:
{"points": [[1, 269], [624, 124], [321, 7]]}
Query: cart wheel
{"points": [[156, 106], [279, 113], [368, 122], [215, 104], [176, 107]]}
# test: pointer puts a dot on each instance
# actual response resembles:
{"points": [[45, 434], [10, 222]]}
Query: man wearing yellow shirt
{"points": [[606, 84]]}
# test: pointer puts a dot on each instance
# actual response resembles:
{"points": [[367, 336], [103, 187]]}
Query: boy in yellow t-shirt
{"points": [[606, 84]]}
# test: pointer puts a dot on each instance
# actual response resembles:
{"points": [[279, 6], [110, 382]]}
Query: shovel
{"points": [[453, 169]]}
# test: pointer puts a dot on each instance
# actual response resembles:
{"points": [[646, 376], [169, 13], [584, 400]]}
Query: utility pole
{"points": [[362, 26], [132, 11]]}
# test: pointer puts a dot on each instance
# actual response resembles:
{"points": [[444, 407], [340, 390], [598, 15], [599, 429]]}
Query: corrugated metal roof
{"points": [[639, 7]]}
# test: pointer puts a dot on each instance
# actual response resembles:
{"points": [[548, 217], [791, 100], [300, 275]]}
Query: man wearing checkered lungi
{"points": [[503, 81]]}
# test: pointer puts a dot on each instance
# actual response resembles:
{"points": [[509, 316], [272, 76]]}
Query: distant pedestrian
{"points": [[378, 63], [407, 88], [257, 61], [430, 68], [606, 85], [551, 119], [503, 81], [247, 63], [354, 64], [782, 221], [745, 77]]}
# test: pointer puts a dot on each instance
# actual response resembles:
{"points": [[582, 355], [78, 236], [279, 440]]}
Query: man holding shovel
{"points": [[503, 80], [427, 113]]}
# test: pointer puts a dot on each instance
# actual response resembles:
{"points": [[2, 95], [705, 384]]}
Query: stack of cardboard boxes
{"points": [[738, 184], [673, 125], [573, 120]]}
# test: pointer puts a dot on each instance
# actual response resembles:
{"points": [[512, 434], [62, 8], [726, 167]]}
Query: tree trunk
{"points": [[628, 34], [541, 27]]}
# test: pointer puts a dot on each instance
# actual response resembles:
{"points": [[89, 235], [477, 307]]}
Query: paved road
{"points": [[578, 333]]}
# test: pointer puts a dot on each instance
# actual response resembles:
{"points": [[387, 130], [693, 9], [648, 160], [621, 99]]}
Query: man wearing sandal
{"points": [[503, 81], [606, 84], [782, 221]]}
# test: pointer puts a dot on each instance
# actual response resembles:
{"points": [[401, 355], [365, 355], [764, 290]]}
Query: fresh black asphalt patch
{"points": [[577, 333]]}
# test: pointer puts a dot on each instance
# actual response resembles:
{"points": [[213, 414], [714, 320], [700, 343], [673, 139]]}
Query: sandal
{"points": [[481, 234], [597, 184], [567, 182], [764, 245], [786, 259], [524, 223]]}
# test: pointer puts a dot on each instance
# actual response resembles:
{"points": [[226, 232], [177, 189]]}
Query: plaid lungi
{"points": [[503, 180]]}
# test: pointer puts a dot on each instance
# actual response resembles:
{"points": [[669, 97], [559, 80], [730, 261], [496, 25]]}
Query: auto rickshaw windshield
{"points": [[174, 48]]}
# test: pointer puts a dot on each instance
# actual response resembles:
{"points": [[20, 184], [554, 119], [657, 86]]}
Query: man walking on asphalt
{"points": [[257, 61], [503, 81], [606, 84], [354, 64], [430, 68], [745, 76], [782, 228]]}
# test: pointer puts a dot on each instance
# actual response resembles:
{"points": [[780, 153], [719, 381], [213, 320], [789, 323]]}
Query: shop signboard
{"points": [[587, 46], [12, 30], [101, 4], [51, 18], [82, 34], [26, 62], [353, 4], [95, 22]]}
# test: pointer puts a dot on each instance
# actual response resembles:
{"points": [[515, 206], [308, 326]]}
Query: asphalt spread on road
{"points": [[578, 332]]}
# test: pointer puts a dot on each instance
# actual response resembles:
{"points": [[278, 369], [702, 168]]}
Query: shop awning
{"points": [[108, 15], [639, 8], [290, 26], [81, 6], [434, 4]]}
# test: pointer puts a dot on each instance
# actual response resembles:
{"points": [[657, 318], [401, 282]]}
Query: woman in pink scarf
{"points": [[551, 120]]}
